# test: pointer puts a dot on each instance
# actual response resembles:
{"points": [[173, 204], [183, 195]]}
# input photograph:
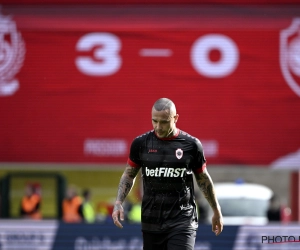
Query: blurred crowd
{"points": [[77, 208]]}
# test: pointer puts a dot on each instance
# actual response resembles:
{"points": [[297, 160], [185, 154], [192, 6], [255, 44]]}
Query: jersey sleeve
{"points": [[200, 161], [134, 154]]}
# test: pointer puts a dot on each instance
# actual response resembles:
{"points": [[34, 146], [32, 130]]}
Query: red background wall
{"points": [[249, 114]]}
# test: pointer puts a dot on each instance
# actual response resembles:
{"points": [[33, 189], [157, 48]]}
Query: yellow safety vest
{"points": [[88, 212], [135, 214]]}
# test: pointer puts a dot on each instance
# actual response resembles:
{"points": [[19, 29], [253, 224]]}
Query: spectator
{"points": [[135, 213], [31, 203], [274, 211], [86, 209], [71, 206]]}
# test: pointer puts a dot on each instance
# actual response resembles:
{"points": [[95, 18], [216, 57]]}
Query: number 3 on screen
{"points": [[106, 59]]}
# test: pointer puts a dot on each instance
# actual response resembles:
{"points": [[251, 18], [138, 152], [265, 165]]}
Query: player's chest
{"points": [[166, 153]]}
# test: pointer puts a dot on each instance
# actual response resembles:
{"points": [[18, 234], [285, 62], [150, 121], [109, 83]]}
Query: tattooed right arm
{"points": [[125, 185]]}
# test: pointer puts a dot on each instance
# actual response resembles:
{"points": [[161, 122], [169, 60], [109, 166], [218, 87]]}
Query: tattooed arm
{"points": [[205, 184], [125, 185]]}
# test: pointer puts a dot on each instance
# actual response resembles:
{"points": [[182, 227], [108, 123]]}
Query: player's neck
{"points": [[173, 132]]}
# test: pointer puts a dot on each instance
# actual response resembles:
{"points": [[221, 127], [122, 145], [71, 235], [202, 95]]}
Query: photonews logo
{"points": [[12, 52], [268, 237], [273, 239]]}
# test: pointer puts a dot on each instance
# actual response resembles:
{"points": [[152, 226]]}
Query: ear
{"points": [[176, 117]]}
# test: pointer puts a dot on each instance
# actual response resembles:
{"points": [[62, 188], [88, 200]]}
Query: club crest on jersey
{"points": [[179, 153]]}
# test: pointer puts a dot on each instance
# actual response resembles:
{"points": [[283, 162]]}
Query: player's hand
{"points": [[217, 223], [118, 214]]}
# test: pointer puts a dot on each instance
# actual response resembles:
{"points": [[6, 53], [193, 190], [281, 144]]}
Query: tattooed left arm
{"points": [[206, 185]]}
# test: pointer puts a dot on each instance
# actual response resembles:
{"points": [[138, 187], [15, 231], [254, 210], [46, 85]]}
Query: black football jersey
{"points": [[167, 167]]}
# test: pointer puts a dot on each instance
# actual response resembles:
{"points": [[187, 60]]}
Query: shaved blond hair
{"points": [[165, 104]]}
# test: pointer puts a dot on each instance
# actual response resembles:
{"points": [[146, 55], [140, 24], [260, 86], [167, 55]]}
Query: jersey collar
{"points": [[169, 138]]}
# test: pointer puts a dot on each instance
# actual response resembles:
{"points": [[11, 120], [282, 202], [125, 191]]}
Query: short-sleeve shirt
{"points": [[167, 167]]}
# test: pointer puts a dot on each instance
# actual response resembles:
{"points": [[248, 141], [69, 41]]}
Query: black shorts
{"points": [[178, 240]]}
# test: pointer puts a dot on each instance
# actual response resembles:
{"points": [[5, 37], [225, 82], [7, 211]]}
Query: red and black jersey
{"points": [[167, 167]]}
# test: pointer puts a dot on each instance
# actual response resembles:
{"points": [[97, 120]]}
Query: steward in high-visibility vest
{"points": [[71, 205], [135, 213], [30, 204], [86, 210]]}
